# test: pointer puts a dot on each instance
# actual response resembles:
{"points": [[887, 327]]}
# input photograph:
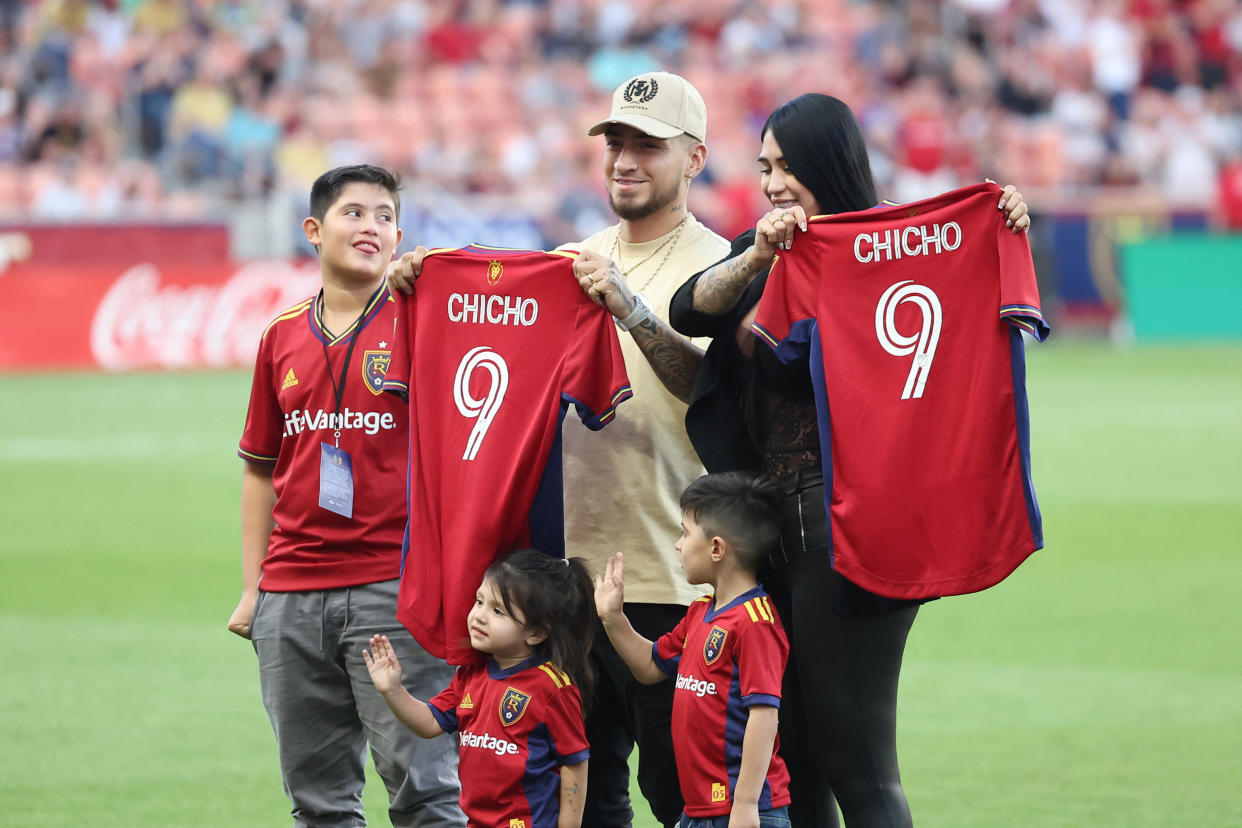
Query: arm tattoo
{"points": [[718, 288], [674, 358]]}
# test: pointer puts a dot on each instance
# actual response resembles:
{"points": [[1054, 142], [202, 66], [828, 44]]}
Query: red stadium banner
{"points": [[143, 315]]}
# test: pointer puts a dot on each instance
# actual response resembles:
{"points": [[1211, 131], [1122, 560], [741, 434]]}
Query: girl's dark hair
{"points": [[825, 150], [555, 596]]}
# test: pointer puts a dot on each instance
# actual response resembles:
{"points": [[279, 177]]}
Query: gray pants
{"points": [[325, 710]]}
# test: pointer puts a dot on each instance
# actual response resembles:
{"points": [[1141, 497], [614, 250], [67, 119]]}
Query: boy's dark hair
{"points": [[555, 596], [327, 187], [824, 148], [740, 507]]}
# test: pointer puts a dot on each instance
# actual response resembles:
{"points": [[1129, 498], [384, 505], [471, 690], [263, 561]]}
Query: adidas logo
{"points": [[290, 380], [466, 703]]}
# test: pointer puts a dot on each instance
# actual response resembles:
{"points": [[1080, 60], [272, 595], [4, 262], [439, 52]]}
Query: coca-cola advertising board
{"points": [[145, 314]]}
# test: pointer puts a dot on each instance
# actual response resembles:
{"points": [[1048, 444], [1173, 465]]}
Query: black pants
{"points": [[624, 714], [838, 716]]}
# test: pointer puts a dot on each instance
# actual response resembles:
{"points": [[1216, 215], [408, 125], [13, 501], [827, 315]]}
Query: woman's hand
{"points": [[1016, 216], [774, 232]]}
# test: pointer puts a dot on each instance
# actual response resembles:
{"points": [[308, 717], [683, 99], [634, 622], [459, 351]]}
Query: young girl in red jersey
{"points": [[517, 709]]}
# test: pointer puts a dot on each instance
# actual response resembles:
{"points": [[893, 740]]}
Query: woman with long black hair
{"points": [[749, 411]]}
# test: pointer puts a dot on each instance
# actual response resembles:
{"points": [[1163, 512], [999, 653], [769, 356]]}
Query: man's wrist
{"points": [[641, 313]]}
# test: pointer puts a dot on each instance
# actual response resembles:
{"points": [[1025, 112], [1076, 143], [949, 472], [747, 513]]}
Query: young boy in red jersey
{"points": [[727, 655], [323, 516]]}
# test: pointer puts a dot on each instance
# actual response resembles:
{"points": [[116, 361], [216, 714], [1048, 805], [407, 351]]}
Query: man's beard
{"points": [[657, 202]]}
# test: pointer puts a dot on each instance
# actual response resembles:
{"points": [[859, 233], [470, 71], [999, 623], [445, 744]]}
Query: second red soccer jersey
{"points": [[493, 348], [912, 318]]}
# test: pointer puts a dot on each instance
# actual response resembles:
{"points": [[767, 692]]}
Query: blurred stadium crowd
{"points": [[184, 109]]}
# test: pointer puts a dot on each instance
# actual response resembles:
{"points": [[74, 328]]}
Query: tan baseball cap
{"points": [[660, 104]]}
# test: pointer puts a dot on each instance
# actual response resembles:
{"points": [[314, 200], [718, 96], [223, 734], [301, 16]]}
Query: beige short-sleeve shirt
{"points": [[623, 483]]}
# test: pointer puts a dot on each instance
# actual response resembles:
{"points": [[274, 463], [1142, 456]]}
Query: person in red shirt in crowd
{"points": [[1230, 193]]}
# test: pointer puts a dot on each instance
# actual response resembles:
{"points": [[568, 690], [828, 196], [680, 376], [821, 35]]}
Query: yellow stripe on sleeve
{"points": [[552, 674]]}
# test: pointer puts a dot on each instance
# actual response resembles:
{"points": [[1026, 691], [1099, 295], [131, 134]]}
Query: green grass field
{"points": [[1101, 685]]}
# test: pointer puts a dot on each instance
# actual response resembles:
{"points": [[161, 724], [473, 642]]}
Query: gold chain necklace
{"points": [[670, 243]]}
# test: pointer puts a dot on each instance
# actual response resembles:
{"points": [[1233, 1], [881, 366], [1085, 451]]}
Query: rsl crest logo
{"points": [[714, 645], [374, 367], [512, 705], [641, 90], [494, 271]]}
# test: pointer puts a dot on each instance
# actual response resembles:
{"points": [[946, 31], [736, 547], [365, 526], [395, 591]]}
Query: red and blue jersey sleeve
{"points": [[595, 378], [444, 705], [762, 653], [1019, 293], [787, 310], [566, 726]]}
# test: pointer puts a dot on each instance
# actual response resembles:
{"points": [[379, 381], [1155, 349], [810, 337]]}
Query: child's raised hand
{"points": [[383, 666], [610, 588]]}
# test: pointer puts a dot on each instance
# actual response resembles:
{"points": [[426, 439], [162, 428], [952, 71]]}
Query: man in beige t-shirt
{"points": [[623, 483]]}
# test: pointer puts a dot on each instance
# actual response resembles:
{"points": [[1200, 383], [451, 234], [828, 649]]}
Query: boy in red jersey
{"points": [[727, 655], [323, 514]]}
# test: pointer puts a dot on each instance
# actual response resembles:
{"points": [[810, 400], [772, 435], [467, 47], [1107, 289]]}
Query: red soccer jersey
{"points": [[292, 412], [912, 318], [515, 729], [724, 662], [494, 346]]}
